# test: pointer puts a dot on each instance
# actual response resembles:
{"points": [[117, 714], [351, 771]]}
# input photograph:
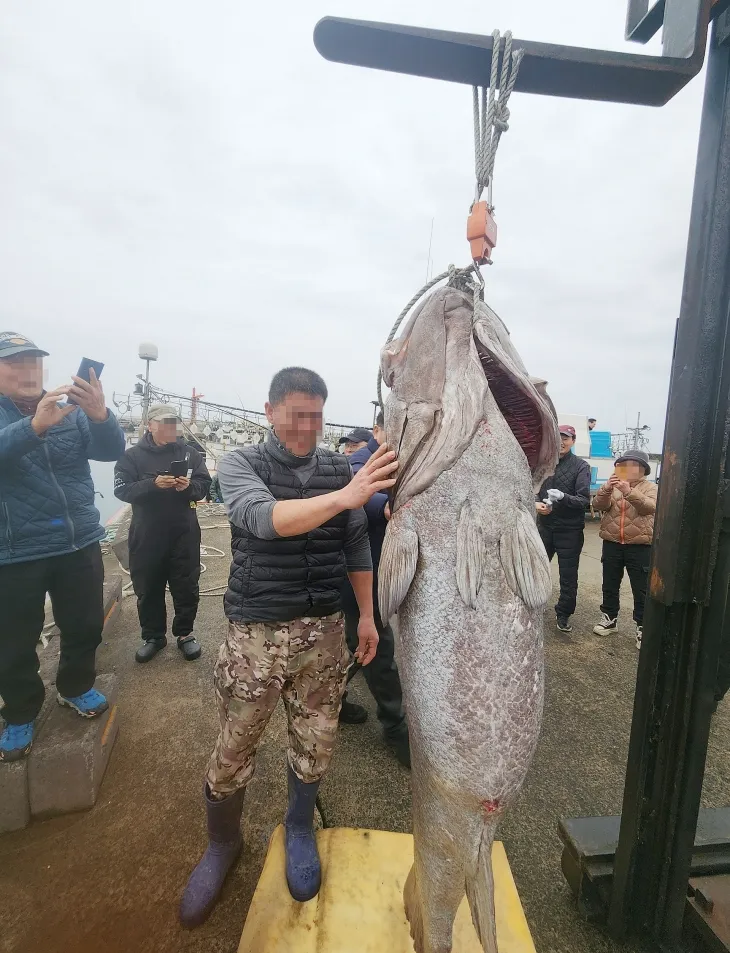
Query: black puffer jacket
{"points": [[134, 480], [572, 476]]}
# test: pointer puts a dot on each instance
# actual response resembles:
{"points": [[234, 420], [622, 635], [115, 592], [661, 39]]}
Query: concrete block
{"points": [[14, 808], [68, 761]]}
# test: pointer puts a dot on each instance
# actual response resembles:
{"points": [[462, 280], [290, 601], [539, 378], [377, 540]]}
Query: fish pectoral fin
{"points": [[397, 563], [525, 562], [470, 555]]}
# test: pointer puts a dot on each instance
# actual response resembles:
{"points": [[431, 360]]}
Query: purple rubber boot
{"points": [[224, 846], [303, 872]]}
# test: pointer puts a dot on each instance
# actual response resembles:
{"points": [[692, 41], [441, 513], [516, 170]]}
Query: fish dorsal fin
{"points": [[397, 563], [470, 555], [525, 562]]}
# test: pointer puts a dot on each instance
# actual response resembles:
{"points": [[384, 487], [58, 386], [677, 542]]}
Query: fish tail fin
{"points": [[397, 563], [480, 891], [413, 910]]}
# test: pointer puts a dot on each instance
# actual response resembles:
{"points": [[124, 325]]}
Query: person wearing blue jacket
{"points": [[49, 536], [381, 675]]}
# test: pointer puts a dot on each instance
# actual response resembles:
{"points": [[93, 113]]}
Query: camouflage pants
{"points": [[305, 662]]}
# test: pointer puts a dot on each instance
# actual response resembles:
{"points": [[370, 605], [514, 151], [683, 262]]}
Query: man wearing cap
{"points": [[49, 536], [355, 440], [628, 503], [163, 477], [560, 506]]}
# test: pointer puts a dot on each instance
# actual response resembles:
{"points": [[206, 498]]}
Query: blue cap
{"points": [[12, 344]]}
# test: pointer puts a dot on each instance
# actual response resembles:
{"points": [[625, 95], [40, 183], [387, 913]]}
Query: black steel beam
{"points": [[547, 69], [690, 568], [643, 21]]}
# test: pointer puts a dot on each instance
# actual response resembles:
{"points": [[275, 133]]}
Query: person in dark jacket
{"points": [[164, 535], [49, 536], [297, 527], [381, 675], [560, 506]]}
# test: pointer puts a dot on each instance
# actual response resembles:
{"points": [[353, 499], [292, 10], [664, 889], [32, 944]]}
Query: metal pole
{"points": [[146, 397], [690, 567]]}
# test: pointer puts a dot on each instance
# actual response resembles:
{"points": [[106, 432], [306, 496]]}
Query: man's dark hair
{"points": [[295, 380], [380, 420]]}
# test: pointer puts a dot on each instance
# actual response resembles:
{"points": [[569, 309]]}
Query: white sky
{"points": [[198, 176]]}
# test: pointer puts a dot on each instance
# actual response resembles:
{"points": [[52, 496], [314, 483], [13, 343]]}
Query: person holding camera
{"points": [[561, 505], [49, 536], [163, 478], [627, 502]]}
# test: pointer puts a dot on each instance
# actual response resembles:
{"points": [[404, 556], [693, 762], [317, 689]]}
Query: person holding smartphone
{"points": [[560, 506], [163, 478], [49, 535], [627, 502]]}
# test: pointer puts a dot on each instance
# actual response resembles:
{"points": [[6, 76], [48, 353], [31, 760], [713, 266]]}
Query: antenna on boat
{"points": [[147, 352]]}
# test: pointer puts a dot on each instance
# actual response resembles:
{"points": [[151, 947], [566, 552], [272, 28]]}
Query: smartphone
{"points": [[83, 372], [178, 468]]}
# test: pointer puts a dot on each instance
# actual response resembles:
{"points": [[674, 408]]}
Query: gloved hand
{"points": [[555, 495]]}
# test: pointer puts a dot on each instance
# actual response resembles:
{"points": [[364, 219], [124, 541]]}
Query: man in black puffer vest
{"points": [[561, 505], [297, 527]]}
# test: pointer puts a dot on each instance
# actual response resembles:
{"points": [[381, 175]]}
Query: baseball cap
{"points": [[567, 430], [12, 343], [358, 435], [636, 456], [163, 412]]}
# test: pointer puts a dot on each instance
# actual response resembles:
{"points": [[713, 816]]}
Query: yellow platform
{"points": [[360, 906]]}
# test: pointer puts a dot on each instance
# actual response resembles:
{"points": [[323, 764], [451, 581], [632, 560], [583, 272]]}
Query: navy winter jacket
{"points": [[46, 491], [375, 506]]}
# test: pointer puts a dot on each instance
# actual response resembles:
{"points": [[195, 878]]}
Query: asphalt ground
{"points": [[109, 880]]}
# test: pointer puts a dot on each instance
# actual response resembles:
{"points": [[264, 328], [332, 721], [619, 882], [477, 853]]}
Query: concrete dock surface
{"points": [[109, 880]]}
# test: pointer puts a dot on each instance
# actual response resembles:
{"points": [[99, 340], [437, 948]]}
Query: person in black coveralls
{"points": [[164, 535]]}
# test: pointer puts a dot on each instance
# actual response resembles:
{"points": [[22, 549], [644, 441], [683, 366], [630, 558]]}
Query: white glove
{"points": [[555, 495]]}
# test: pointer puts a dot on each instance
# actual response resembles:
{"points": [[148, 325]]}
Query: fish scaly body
{"points": [[464, 566]]}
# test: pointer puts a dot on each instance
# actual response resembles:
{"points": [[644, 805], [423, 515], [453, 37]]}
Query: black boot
{"points": [[303, 871], [224, 846], [400, 746], [189, 647], [352, 714], [149, 648]]}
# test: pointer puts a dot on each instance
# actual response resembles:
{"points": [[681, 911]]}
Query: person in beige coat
{"points": [[628, 504]]}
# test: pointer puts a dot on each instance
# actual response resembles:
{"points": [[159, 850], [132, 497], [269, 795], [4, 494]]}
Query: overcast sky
{"points": [[198, 176]]}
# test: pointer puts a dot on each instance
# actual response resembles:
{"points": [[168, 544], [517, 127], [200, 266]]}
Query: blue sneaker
{"points": [[89, 705], [16, 741]]}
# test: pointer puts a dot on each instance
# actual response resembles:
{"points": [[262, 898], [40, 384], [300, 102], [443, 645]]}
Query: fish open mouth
{"points": [[516, 404]]}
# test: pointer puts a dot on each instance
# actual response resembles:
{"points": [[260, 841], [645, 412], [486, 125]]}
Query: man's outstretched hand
{"points": [[378, 474]]}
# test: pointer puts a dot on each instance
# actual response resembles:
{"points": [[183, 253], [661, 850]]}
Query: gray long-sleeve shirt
{"points": [[250, 504]]}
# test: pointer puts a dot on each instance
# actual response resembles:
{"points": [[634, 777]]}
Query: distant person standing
{"points": [[355, 440], [164, 535], [381, 675], [628, 503], [49, 536], [591, 423], [561, 505]]}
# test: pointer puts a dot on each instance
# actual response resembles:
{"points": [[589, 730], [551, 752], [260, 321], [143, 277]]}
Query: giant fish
{"points": [[465, 569]]}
